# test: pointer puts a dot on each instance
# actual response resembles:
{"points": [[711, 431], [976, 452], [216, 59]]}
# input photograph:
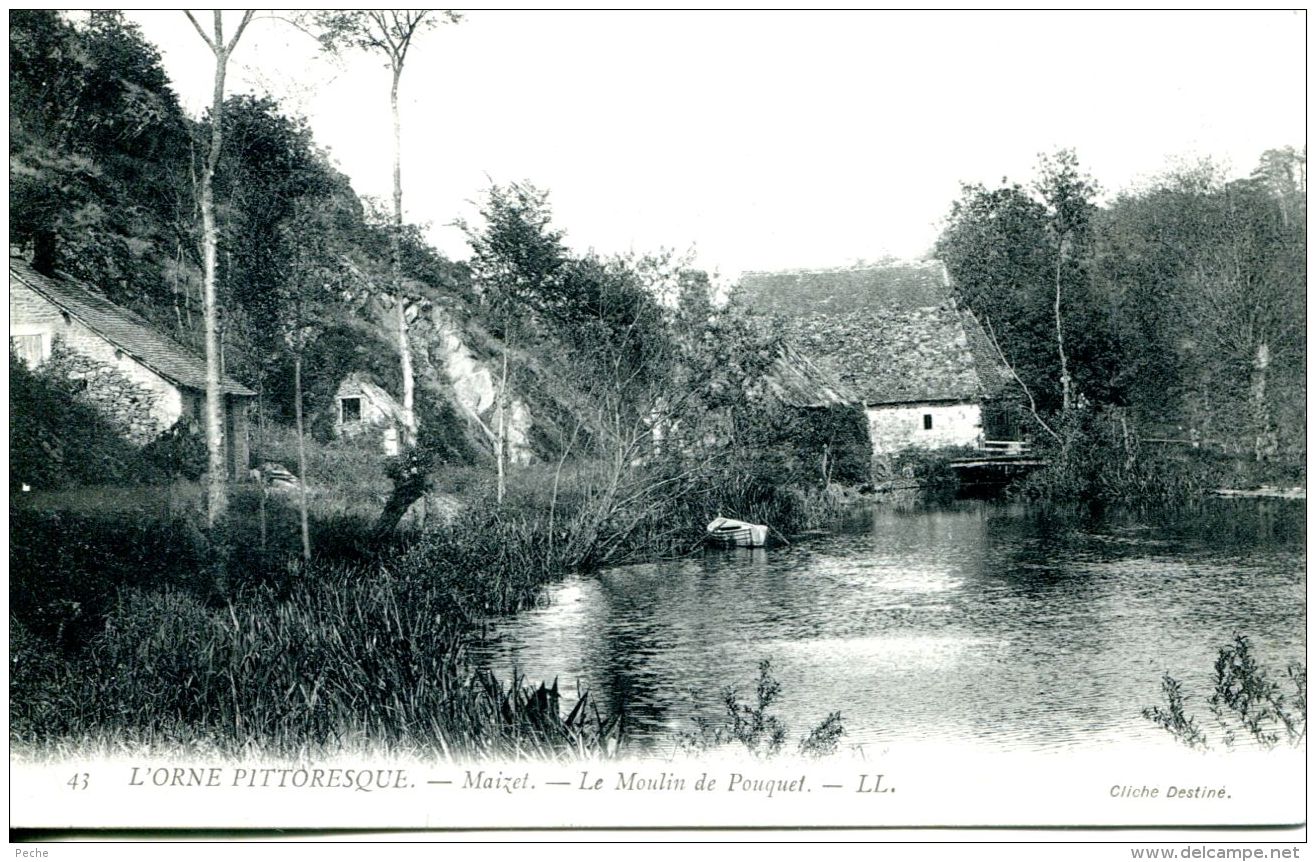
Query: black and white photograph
{"points": [[868, 421]]}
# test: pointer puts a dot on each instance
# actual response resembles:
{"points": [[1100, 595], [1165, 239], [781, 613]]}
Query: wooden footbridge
{"points": [[997, 462]]}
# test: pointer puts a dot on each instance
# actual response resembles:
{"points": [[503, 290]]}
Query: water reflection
{"points": [[999, 625]]}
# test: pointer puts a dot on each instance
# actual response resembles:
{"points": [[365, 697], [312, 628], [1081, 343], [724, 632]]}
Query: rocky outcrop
{"points": [[457, 360], [475, 384]]}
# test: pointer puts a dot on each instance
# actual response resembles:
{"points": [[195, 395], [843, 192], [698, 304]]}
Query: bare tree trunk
{"points": [[301, 455], [1129, 455], [1265, 444], [264, 491], [217, 480], [500, 445], [217, 484], [395, 254], [1065, 396]]}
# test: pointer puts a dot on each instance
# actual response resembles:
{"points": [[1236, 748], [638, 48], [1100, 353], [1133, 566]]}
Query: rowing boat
{"points": [[730, 533]]}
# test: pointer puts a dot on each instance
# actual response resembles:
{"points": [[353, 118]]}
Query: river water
{"points": [[976, 623]]}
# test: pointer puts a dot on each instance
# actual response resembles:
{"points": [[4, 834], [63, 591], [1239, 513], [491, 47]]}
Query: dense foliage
{"points": [[104, 165], [1175, 311]]}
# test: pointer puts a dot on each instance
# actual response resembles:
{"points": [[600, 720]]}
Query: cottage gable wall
{"points": [[144, 402], [30, 313]]}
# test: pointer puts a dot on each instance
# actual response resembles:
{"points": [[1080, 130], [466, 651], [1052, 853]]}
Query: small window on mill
{"points": [[927, 421], [351, 410]]}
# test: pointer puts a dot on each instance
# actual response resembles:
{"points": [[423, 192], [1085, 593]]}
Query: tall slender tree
{"points": [[389, 32], [304, 293], [1068, 194], [217, 485]]}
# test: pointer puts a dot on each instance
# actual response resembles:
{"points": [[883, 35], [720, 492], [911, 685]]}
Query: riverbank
{"points": [[1264, 492], [129, 628]]}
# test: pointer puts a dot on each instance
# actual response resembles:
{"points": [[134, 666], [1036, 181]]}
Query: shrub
{"points": [[57, 440], [1099, 460], [180, 452], [1245, 703], [758, 731]]}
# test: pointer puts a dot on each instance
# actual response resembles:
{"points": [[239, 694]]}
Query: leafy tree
{"points": [[308, 281], [1208, 280], [519, 265], [1022, 262], [269, 172], [995, 247]]}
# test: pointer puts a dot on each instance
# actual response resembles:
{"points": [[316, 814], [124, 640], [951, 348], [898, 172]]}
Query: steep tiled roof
{"points": [[889, 333], [798, 382], [124, 329], [996, 379], [895, 285]]}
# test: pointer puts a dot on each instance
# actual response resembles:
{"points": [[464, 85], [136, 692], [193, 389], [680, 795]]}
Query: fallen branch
{"points": [[1000, 354]]}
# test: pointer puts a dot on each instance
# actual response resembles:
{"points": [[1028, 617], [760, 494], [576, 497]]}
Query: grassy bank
{"points": [[122, 635]]}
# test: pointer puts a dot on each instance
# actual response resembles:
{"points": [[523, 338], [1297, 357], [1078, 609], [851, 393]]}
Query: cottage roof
{"points": [[890, 333], [125, 329]]}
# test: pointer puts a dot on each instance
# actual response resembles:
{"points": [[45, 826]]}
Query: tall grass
{"points": [[343, 659]]}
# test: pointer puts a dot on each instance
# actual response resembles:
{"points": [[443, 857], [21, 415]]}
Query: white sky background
{"points": [[771, 140]]}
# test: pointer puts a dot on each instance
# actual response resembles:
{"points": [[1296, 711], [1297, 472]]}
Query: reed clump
{"points": [[341, 658]]}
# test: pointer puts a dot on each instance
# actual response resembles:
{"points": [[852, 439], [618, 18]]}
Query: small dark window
{"points": [[351, 410], [927, 421]]}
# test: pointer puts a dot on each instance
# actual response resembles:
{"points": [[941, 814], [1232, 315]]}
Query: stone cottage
{"points": [[364, 409], [131, 371], [892, 334]]}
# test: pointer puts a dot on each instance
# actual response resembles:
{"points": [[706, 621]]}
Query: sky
{"points": [[770, 140]]}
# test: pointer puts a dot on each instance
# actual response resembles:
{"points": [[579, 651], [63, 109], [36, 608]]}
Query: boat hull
{"points": [[730, 533]]}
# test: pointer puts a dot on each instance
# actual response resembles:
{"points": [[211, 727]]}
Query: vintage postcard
{"points": [[428, 422]]}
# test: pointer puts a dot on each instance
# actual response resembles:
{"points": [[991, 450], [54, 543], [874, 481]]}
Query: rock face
{"points": [[474, 384], [457, 361]]}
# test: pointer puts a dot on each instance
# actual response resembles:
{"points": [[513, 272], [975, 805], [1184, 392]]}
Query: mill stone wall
{"points": [[901, 426]]}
